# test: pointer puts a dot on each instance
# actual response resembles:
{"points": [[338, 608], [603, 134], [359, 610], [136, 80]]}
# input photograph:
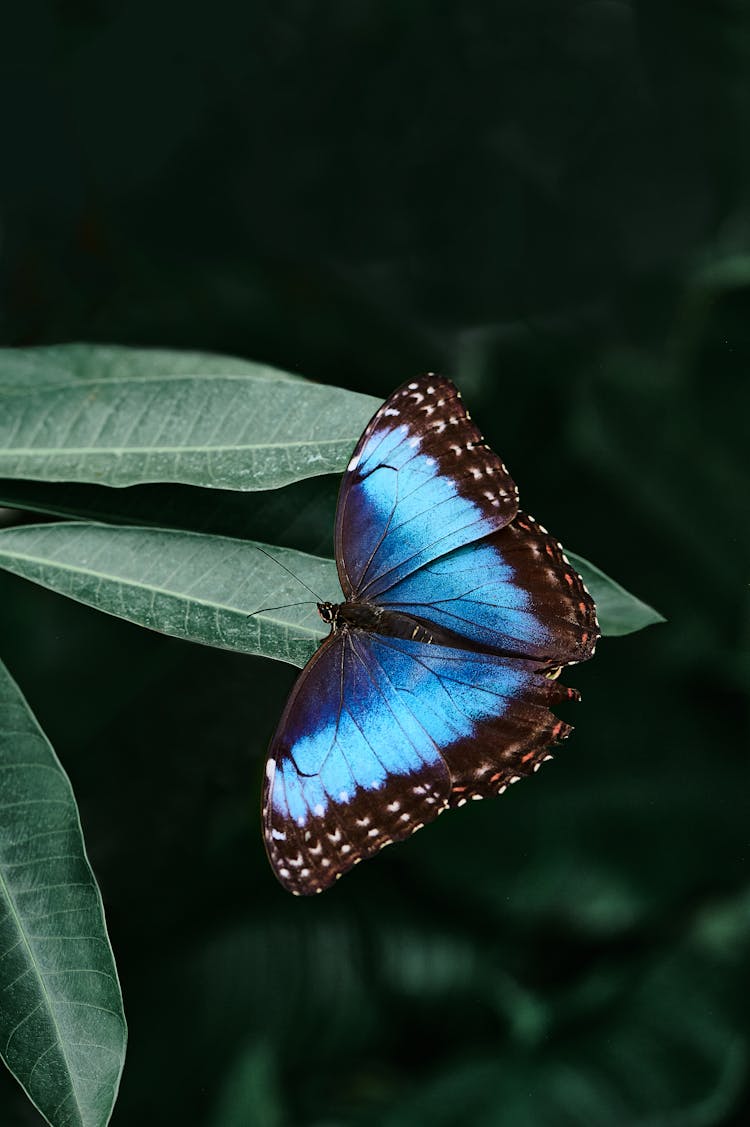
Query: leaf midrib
{"points": [[65, 384], [47, 450], [43, 986]]}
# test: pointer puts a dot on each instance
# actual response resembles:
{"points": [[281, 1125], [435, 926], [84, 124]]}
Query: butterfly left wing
{"points": [[381, 734]]}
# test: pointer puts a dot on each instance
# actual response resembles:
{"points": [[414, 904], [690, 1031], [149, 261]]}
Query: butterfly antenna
{"points": [[290, 572], [282, 606]]}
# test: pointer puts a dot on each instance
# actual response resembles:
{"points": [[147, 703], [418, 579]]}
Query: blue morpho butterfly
{"points": [[436, 681]]}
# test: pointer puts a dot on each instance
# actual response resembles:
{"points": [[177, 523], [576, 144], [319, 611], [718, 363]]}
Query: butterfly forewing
{"points": [[420, 483]]}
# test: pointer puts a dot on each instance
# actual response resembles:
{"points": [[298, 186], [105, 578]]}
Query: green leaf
{"points": [[619, 612], [116, 416], [62, 1028], [202, 588], [212, 589]]}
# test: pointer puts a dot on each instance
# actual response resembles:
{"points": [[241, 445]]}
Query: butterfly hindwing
{"points": [[513, 591], [420, 483]]}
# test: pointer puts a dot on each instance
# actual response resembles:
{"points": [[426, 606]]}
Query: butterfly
{"points": [[436, 682]]}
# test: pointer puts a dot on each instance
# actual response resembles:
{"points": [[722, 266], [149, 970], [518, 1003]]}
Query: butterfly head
{"points": [[327, 612]]}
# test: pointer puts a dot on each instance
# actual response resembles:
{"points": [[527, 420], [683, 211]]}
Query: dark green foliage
{"points": [[549, 202]]}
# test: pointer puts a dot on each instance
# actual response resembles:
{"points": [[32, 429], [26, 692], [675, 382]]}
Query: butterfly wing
{"points": [[420, 483], [381, 734]]}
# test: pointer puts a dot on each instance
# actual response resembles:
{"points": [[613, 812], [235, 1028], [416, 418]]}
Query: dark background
{"points": [[548, 201]]}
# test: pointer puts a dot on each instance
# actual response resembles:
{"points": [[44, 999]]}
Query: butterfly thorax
{"points": [[374, 619]]}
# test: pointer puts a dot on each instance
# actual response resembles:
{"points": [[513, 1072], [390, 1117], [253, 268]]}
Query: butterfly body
{"points": [[436, 682], [374, 619]]}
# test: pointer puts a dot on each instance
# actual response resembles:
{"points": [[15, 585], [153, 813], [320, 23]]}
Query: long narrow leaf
{"points": [[62, 1028], [121, 417], [207, 589]]}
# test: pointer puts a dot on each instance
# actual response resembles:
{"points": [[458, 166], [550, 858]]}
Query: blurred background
{"points": [[549, 202]]}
